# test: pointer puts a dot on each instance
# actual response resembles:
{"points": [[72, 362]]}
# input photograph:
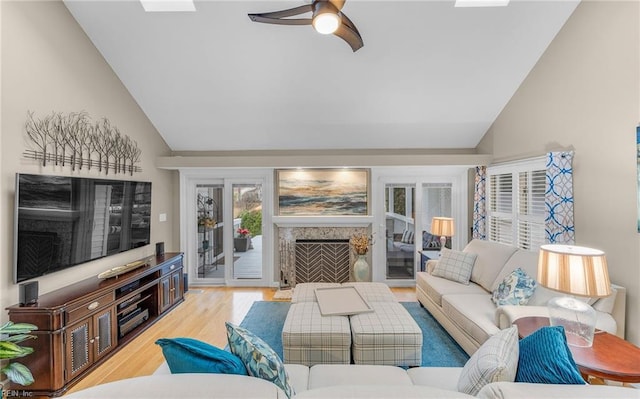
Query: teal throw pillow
{"points": [[516, 289], [260, 360], [188, 355], [545, 358]]}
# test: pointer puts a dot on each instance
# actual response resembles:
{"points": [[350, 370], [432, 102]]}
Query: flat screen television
{"points": [[66, 221]]}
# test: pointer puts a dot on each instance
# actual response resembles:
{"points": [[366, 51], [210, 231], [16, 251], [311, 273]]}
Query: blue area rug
{"points": [[265, 319]]}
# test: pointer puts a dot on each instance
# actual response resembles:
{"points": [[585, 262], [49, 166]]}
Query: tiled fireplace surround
{"points": [[287, 236]]}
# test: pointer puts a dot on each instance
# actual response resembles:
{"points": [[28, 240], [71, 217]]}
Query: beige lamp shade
{"points": [[574, 270], [441, 226]]}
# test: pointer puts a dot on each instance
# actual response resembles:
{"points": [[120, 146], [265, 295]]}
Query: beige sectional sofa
{"points": [[467, 311], [338, 381]]}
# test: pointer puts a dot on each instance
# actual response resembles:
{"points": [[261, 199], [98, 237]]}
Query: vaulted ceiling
{"points": [[430, 75]]}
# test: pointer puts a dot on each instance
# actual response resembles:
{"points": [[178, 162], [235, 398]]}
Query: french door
{"points": [[224, 236], [407, 206]]}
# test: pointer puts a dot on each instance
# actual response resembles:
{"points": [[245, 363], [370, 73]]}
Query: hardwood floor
{"points": [[201, 316]]}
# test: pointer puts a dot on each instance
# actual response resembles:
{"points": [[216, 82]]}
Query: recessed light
{"points": [[481, 3], [168, 5]]}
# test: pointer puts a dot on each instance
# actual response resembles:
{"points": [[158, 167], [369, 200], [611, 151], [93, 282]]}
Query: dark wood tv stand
{"points": [[81, 325]]}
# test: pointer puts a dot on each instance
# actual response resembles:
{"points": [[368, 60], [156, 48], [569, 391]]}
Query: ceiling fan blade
{"points": [[276, 21], [337, 4], [348, 32], [284, 13]]}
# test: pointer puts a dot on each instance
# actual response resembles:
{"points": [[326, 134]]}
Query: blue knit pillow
{"points": [[545, 358], [188, 355]]}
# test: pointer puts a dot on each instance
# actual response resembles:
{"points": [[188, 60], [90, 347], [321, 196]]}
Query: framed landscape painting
{"points": [[323, 192]]}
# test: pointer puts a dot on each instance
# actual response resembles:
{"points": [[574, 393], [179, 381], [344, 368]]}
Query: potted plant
{"points": [[11, 334], [243, 240]]}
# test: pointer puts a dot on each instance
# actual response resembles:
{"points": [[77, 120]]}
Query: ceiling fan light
{"points": [[326, 23]]}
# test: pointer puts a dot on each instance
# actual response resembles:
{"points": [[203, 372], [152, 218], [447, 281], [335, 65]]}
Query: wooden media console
{"points": [[81, 325]]}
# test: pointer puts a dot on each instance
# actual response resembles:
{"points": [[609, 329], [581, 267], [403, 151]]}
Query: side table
{"points": [[610, 357]]}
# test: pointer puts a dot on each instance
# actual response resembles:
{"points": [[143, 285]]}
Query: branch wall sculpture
{"points": [[73, 139]]}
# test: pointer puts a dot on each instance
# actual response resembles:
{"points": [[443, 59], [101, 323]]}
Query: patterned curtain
{"points": [[479, 204], [559, 227]]}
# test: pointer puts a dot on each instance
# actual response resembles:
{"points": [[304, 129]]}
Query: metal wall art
{"points": [[75, 140]]}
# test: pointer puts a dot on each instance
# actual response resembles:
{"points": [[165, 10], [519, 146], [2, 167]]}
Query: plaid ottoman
{"points": [[389, 335], [374, 292], [306, 292], [309, 338]]}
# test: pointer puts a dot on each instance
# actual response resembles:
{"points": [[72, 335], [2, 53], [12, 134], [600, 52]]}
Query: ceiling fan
{"points": [[327, 18]]}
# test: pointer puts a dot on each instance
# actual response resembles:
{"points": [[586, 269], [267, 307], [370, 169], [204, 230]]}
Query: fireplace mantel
{"points": [[323, 221]]}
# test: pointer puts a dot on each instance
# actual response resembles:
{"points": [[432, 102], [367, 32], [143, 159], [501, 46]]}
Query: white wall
{"points": [[48, 64], [584, 94]]}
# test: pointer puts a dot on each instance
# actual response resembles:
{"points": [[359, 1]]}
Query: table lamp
{"points": [[443, 227], [577, 271]]}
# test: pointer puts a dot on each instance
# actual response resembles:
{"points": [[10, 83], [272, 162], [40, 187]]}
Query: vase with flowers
{"points": [[242, 242], [360, 245]]}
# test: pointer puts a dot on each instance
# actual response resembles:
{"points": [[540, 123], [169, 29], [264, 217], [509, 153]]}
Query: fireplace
{"points": [[316, 254], [325, 261]]}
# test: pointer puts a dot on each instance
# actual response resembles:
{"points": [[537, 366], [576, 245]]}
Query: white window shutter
{"points": [[516, 203]]}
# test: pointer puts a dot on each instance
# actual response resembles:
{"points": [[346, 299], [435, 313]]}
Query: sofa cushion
{"points": [[491, 259], [172, 386], [545, 358], [436, 287], [495, 360], [516, 289], [455, 265], [521, 259], [436, 377], [326, 375], [298, 376], [607, 303], [368, 391], [474, 314], [188, 355], [259, 359], [509, 390], [429, 241]]}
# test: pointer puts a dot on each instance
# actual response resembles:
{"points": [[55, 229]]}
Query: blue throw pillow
{"points": [[188, 355], [545, 358]]}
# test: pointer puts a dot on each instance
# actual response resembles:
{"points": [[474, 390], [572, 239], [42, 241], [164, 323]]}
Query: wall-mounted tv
{"points": [[65, 221]]}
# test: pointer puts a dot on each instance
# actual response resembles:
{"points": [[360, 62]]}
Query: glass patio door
{"points": [[210, 227], [436, 202], [399, 200], [247, 231]]}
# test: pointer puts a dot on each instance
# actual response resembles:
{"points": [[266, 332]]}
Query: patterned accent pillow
{"points": [[545, 358], [259, 359], [516, 289], [495, 360], [455, 265]]}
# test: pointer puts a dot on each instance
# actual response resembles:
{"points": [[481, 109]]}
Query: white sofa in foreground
{"points": [[336, 382], [470, 316]]}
